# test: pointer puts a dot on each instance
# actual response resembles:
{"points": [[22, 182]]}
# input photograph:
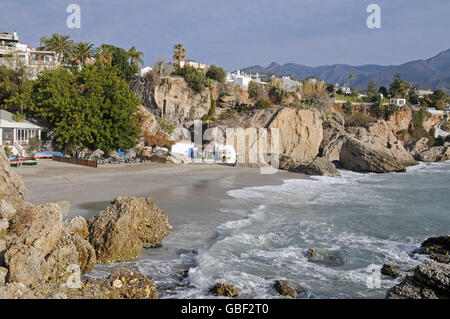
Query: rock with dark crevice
{"points": [[284, 289], [225, 289]]}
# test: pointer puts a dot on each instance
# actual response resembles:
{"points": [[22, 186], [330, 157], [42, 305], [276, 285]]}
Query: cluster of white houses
{"points": [[12, 53]]}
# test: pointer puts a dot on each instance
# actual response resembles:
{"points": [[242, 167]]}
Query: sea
{"points": [[362, 220]]}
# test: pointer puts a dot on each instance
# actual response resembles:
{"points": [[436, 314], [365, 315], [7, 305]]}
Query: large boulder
{"points": [[365, 152], [435, 154], [318, 166], [384, 129], [430, 281], [97, 153], [12, 190], [121, 231], [300, 132]]}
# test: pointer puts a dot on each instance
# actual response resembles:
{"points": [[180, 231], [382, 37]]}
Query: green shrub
{"points": [[419, 116], [348, 107], [216, 73], [262, 104], [386, 110], [228, 114], [167, 126], [194, 77], [360, 119], [8, 150], [277, 93]]}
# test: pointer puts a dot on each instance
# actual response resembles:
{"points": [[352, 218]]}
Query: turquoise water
{"points": [[365, 219]]}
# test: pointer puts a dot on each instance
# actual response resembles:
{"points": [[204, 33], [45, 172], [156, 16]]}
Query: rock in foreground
{"points": [[430, 281], [391, 271], [283, 288], [224, 289], [318, 166], [121, 231]]}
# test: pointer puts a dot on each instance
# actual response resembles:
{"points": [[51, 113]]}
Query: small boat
{"points": [[39, 155], [16, 161]]}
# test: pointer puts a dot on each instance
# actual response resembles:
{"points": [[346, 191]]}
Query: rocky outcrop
{"points": [[430, 281], [224, 289], [300, 132], [383, 129], [401, 120], [283, 288], [435, 154], [318, 166], [77, 225], [392, 271], [415, 147], [365, 152], [121, 231], [322, 257], [435, 245], [120, 284], [12, 190]]}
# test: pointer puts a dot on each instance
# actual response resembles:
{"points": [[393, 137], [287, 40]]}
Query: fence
{"points": [[76, 161]]}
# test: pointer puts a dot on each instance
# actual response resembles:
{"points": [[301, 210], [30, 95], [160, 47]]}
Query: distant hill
{"points": [[433, 73]]}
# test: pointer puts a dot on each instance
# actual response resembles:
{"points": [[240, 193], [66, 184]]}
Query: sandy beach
{"points": [[181, 190]]}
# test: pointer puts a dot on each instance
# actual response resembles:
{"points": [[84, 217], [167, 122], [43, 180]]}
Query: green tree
{"points": [[91, 108], [179, 53], [13, 82], [384, 91], [371, 91], [216, 73], [276, 93], [59, 43], [351, 77], [118, 58], [135, 56], [399, 88], [254, 90]]}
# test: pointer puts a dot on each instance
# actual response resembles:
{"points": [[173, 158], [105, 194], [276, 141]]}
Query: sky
{"points": [[239, 33]]}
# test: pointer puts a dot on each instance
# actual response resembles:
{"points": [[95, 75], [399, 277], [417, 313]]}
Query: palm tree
{"points": [[104, 54], [135, 56], [82, 51], [179, 52], [352, 77], [61, 44]]}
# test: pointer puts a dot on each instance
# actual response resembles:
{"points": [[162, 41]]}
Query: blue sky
{"points": [[238, 33]]}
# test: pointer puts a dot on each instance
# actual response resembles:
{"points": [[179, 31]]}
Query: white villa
{"points": [[196, 65], [243, 79], [398, 102], [16, 134], [13, 52]]}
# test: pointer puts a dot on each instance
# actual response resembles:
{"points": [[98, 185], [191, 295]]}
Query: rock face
{"points": [[77, 225], [121, 231], [430, 281], [364, 152], [415, 147], [300, 133], [435, 154], [224, 289], [12, 190], [318, 166], [436, 245], [283, 288]]}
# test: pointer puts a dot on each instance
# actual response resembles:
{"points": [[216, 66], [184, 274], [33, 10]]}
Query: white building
{"points": [[398, 102], [196, 65], [243, 79], [16, 134], [423, 93], [143, 71], [289, 84], [12, 53]]}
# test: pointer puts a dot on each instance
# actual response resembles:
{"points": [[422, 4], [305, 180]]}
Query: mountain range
{"points": [[433, 73]]}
